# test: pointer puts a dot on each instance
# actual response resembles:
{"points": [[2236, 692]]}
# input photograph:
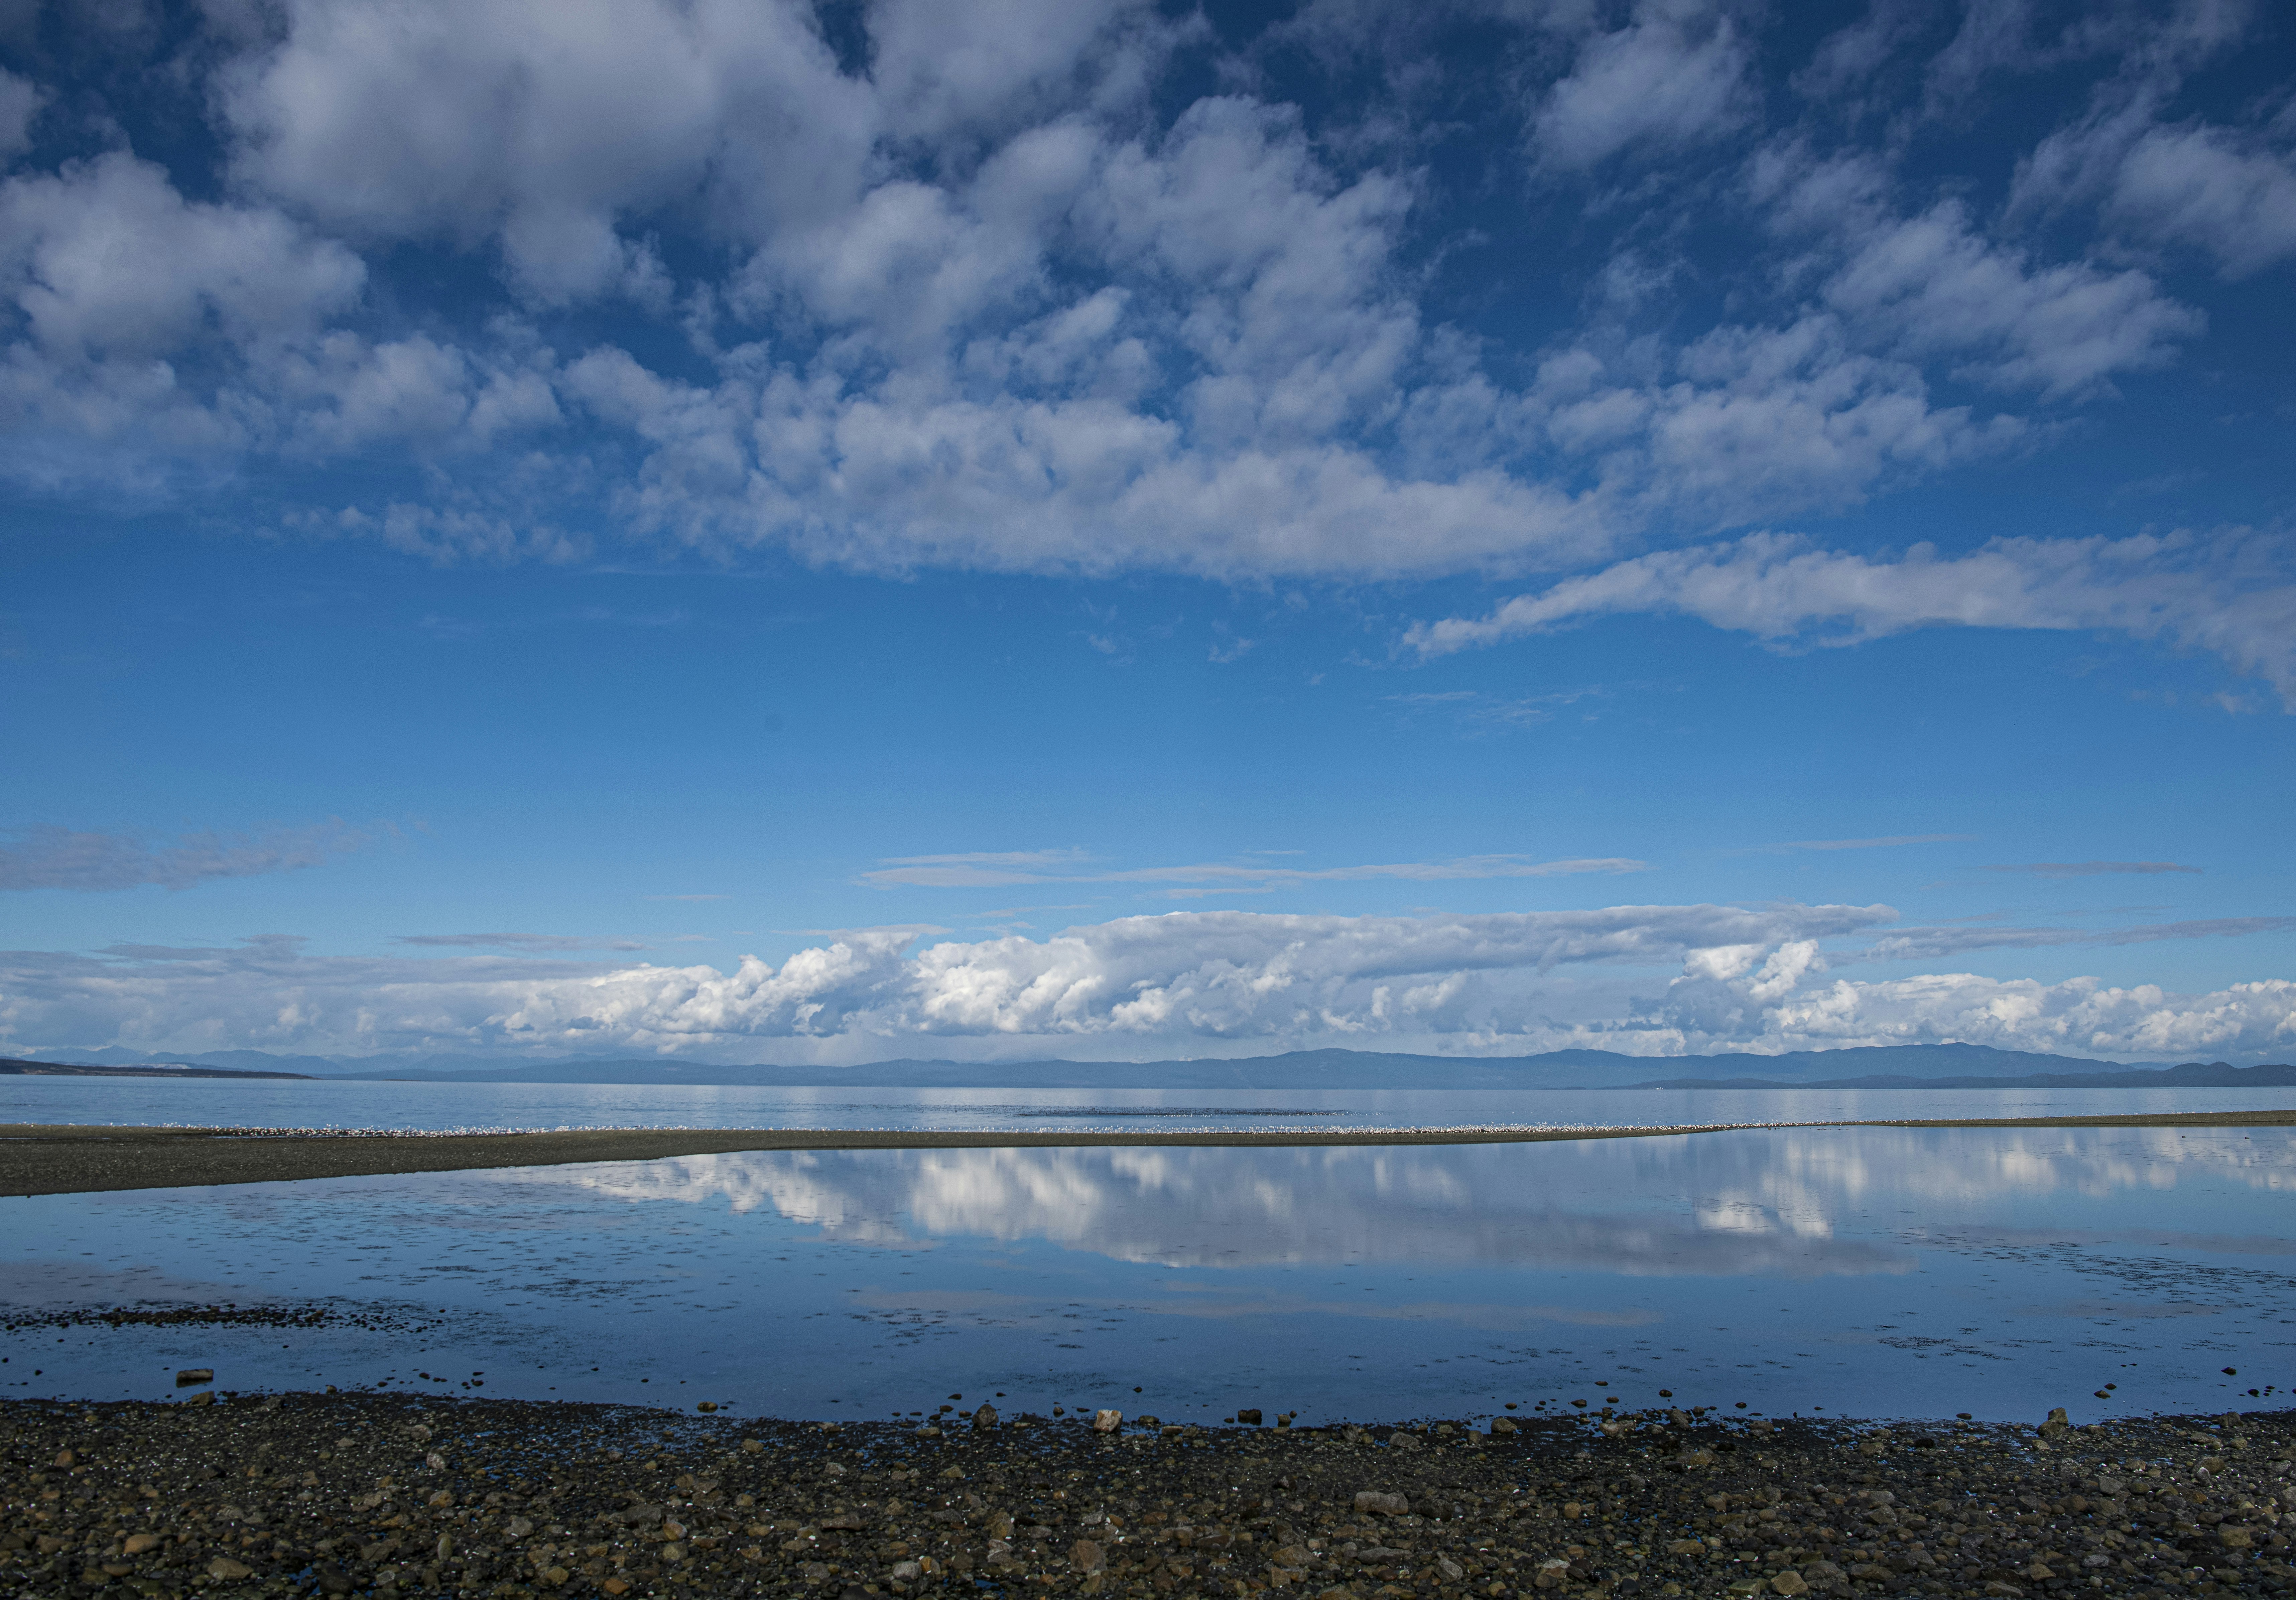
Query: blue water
{"points": [[1870, 1271], [438, 1106]]}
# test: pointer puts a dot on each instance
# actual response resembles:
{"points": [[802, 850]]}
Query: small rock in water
{"points": [[2057, 1426], [985, 1417], [705, 1405], [1107, 1421], [1248, 1415], [194, 1374]]}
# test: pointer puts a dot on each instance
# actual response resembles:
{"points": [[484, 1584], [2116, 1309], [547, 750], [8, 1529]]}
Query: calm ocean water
{"points": [[1869, 1271], [441, 1106]]}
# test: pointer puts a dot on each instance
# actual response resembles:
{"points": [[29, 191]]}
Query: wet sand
{"points": [[247, 1495], [67, 1159]]}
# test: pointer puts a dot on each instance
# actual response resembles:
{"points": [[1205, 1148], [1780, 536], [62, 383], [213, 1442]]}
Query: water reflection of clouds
{"points": [[1769, 1202], [1183, 1208]]}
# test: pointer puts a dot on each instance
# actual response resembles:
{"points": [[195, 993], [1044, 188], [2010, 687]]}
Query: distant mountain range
{"points": [[1864, 1066]]}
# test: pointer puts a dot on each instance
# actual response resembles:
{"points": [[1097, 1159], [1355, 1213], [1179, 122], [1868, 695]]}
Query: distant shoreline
{"points": [[80, 1159]]}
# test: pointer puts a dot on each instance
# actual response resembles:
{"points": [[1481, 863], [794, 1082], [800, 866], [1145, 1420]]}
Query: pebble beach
{"points": [[243, 1495]]}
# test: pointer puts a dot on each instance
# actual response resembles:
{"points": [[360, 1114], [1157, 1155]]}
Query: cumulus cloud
{"points": [[83, 861], [2232, 597], [1209, 975], [1754, 978]]}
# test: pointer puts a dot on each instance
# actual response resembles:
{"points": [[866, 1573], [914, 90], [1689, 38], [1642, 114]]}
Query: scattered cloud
{"points": [[2091, 869], [2234, 594], [992, 869], [83, 861], [1883, 842], [1929, 944], [551, 942]]}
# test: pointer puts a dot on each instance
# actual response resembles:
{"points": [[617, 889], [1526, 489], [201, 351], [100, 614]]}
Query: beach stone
{"points": [[1107, 1421], [753, 1447], [985, 1417], [1502, 1425], [1451, 1570], [2056, 1426], [333, 1579], [1687, 1547], [1790, 1582], [1377, 1503], [224, 1568], [1997, 1590], [1248, 1414], [2236, 1538], [1086, 1557], [137, 1543], [907, 1571]]}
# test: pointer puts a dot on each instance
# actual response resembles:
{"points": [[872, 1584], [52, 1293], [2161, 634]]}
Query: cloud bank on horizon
{"points": [[1393, 343], [1748, 979]]}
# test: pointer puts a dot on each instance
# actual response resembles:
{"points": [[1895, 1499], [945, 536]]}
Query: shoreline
{"points": [[38, 1159], [242, 1495]]}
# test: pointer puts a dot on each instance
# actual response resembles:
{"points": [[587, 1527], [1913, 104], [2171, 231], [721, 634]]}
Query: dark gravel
{"points": [[361, 1494]]}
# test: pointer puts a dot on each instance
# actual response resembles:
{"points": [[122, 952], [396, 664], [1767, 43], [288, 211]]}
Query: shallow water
{"points": [[1870, 1271], [438, 1106]]}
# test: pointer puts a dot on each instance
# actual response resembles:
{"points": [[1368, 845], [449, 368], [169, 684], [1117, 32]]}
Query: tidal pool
{"points": [[1861, 1271]]}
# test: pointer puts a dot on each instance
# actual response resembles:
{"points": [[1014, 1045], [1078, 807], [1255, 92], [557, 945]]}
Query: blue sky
{"points": [[793, 533]]}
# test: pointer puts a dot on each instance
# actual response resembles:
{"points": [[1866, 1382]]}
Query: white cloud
{"points": [[81, 252], [2226, 191], [1940, 288], [1186, 975], [1933, 287], [83, 861], [1749, 978], [21, 100], [991, 304], [2232, 597], [2081, 1017], [433, 121], [2208, 188], [1676, 75]]}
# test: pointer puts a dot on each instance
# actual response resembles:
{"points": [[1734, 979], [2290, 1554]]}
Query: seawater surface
{"points": [[1865, 1270], [323, 1103]]}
